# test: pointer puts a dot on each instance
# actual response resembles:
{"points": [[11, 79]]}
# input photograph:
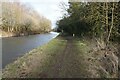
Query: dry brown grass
{"points": [[104, 63]]}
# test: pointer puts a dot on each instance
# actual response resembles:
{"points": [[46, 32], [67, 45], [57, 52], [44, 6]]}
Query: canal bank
{"points": [[36, 58], [63, 57]]}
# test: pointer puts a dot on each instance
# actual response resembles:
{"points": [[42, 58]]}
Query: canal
{"points": [[14, 47]]}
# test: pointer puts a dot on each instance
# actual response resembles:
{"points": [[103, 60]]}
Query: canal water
{"points": [[14, 47]]}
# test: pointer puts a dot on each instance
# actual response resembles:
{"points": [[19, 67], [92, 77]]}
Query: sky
{"points": [[48, 8]]}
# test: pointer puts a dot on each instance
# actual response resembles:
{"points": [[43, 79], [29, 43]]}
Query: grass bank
{"points": [[33, 63], [65, 57]]}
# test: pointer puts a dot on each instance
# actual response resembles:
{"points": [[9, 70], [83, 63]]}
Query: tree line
{"points": [[96, 19], [20, 18]]}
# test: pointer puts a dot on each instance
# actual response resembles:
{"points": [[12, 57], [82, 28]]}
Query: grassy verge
{"points": [[33, 63], [101, 63]]}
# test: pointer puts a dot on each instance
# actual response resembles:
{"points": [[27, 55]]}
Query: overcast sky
{"points": [[48, 8]]}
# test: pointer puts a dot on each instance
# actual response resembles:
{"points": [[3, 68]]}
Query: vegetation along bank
{"points": [[21, 19]]}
